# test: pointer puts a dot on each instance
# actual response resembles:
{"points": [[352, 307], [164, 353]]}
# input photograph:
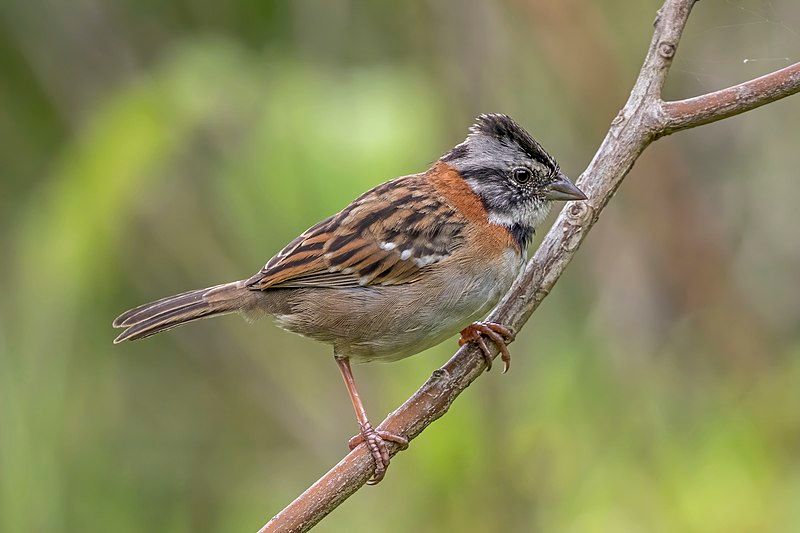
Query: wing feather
{"points": [[388, 236]]}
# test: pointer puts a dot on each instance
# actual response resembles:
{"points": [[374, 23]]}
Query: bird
{"points": [[405, 266]]}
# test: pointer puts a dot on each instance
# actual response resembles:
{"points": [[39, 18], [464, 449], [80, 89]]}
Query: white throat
{"points": [[531, 215]]}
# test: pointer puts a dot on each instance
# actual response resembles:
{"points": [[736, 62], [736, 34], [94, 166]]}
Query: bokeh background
{"points": [[150, 147]]}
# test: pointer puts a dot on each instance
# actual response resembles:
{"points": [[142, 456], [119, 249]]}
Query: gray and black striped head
{"points": [[516, 179]]}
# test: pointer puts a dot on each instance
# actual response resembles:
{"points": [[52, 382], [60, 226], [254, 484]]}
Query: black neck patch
{"points": [[523, 234]]}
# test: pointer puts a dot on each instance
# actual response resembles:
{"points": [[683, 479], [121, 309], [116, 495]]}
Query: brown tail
{"points": [[172, 311]]}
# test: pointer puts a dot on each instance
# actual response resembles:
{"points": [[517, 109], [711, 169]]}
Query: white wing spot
{"points": [[426, 260], [406, 254], [388, 246]]}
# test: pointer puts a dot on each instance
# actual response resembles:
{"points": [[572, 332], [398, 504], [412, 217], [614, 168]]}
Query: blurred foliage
{"points": [[151, 147]]}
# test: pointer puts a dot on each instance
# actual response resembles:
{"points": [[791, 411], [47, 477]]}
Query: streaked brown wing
{"points": [[388, 236]]}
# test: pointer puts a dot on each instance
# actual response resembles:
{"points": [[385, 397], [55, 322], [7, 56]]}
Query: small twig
{"points": [[718, 105], [644, 118]]}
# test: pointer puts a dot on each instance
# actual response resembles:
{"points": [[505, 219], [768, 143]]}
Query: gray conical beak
{"points": [[563, 189]]}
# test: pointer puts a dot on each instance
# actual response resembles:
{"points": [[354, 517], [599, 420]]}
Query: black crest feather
{"points": [[506, 130]]}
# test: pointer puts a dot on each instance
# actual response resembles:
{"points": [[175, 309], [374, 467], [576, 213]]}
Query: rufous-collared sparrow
{"points": [[403, 267]]}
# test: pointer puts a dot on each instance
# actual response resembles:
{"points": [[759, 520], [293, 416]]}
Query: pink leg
{"points": [[375, 440]]}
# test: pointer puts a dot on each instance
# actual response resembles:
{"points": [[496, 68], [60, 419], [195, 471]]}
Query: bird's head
{"points": [[515, 178]]}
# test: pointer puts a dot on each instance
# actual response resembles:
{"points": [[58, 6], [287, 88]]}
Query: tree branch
{"points": [[644, 118], [732, 101]]}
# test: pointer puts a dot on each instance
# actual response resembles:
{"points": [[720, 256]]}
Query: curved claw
{"points": [[500, 334], [376, 442]]}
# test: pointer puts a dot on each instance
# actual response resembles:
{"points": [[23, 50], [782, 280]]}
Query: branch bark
{"points": [[718, 105], [643, 119]]}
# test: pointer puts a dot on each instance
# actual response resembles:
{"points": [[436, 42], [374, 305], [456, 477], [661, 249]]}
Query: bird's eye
{"points": [[522, 175]]}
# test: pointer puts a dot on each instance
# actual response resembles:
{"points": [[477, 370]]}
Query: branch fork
{"points": [[644, 118]]}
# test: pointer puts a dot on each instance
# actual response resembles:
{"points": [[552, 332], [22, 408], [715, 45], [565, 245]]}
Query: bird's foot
{"points": [[500, 334], [376, 440]]}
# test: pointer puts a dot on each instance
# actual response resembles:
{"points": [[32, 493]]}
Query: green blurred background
{"points": [[150, 147]]}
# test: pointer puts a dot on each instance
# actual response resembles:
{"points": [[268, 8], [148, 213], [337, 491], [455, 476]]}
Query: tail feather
{"points": [[173, 311], [149, 310]]}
